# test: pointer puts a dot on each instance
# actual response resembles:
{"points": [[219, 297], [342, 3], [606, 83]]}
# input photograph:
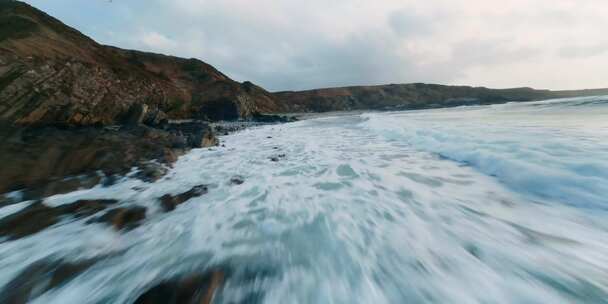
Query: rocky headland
{"points": [[72, 108]]}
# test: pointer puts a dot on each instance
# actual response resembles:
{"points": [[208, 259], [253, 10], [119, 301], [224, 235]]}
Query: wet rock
{"points": [[237, 180], [199, 289], [85, 208], [277, 157], [150, 172], [61, 186], [193, 134], [268, 118], [169, 202], [123, 218], [38, 216], [41, 277], [32, 219], [39, 159]]}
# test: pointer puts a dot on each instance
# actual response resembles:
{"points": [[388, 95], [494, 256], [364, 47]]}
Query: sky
{"points": [[296, 45]]}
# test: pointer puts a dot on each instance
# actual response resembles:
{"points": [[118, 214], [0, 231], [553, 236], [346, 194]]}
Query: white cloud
{"points": [[158, 42], [317, 43]]}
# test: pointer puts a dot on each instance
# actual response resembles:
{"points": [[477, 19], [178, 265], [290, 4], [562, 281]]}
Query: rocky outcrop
{"points": [[40, 158], [41, 277], [412, 96], [38, 216], [170, 202], [123, 218], [196, 288]]}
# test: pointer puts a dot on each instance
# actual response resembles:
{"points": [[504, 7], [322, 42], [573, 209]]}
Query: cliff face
{"points": [[53, 74], [412, 96]]}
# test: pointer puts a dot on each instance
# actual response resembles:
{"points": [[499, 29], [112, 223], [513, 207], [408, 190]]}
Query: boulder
{"points": [[38, 216], [41, 277], [122, 218], [169, 202], [197, 288]]}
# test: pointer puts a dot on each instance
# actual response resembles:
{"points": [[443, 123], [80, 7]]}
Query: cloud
{"points": [[156, 41], [578, 51], [285, 45]]}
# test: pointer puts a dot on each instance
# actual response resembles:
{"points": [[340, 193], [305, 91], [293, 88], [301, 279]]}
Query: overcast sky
{"points": [[292, 45]]}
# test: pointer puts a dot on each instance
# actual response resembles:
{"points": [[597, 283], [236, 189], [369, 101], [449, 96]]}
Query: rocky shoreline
{"points": [[42, 161], [49, 160]]}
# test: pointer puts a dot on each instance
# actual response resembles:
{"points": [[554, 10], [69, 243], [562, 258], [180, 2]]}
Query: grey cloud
{"points": [[408, 23], [289, 45], [584, 51]]}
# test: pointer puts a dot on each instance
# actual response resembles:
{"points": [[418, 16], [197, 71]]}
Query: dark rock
{"points": [[38, 216], [109, 180], [194, 134], [237, 180], [136, 114], [61, 186], [268, 118], [123, 218], [151, 171], [85, 208], [32, 219], [41, 277], [169, 202], [199, 289], [37, 160], [277, 158]]}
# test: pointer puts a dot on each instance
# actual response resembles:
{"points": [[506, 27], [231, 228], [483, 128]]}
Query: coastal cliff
{"points": [[53, 74], [413, 96], [70, 107]]}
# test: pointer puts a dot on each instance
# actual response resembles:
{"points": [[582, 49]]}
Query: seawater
{"points": [[484, 204]]}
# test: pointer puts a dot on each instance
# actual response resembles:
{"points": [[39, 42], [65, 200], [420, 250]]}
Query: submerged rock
{"points": [[38, 216], [198, 288], [151, 171], [169, 202], [41, 277], [277, 157], [123, 218], [62, 186], [32, 219], [237, 180]]}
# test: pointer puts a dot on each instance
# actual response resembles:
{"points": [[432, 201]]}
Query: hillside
{"points": [[412, 96], [53, 74]]}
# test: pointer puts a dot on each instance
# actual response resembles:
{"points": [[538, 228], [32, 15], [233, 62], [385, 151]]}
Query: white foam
{"points": [[359, 211]]}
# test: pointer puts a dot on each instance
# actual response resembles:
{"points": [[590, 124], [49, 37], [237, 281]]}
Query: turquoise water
{"points": [[488, 204]]}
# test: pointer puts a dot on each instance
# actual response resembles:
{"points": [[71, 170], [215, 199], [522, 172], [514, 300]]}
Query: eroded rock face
{"points": [[169, 202], [191, 289]]}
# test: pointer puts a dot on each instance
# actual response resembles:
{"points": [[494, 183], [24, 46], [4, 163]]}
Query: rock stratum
{"points": [[53, 74]]}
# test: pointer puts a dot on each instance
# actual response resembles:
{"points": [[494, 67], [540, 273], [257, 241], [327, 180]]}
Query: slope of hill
{"points": [[412, 96], [53, 74]]}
